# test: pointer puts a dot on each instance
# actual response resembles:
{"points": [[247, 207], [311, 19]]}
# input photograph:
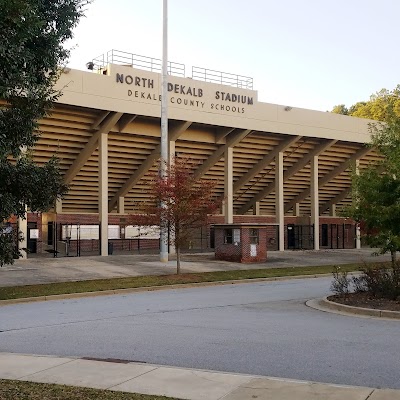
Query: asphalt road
{"points": [[261, 328]]}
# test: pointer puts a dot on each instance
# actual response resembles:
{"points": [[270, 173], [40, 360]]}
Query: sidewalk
{"points": [[181, 383], [48, 270]]}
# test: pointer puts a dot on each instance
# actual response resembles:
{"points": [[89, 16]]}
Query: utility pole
{"points": [[164, 129]]}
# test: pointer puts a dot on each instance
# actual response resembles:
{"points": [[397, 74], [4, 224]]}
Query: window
{"points": [[114, 232], [87, 232], [253, 235], [228, 236], [142, 232], [72, 232]]}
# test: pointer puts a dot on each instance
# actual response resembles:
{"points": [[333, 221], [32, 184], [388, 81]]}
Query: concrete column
{"points": [[315, 200], [121, 205], [279, 200], [358, 237], [358, 230], [229, 185], [296, 210], [23, 228], [171, 150], [103, 193], [332, 210], [59, 206], [256, 208]]}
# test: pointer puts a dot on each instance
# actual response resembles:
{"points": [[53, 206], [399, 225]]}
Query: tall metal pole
{"points": [[164, 129]]}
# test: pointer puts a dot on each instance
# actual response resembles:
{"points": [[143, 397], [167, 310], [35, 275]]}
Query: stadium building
{"points": [[275, 164]]}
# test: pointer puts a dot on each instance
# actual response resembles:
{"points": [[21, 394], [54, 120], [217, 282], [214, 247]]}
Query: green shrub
{"points": [[379, 282], [375, 280]]}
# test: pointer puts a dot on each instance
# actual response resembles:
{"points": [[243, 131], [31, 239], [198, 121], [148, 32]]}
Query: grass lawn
{"points": [[18, 390], [17, 292]]}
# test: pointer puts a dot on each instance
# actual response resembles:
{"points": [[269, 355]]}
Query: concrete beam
{"points": [[264, 162], [125, 121], [337, 199], [174, 133], [99, 119], [221, 134], [233, 139], [315, 152], [320, 148], [105, 127], [328, 177]]}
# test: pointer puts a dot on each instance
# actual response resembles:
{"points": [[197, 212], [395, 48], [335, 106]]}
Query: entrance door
{"points": [[32, 237], [291, 236]]}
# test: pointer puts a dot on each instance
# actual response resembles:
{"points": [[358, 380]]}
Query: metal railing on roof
{"points": [[136, 61], [224, 78], [175, 69]]}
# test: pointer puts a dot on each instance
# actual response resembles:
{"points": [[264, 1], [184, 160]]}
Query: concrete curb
{"points": [[152, 288], [329, 306]]}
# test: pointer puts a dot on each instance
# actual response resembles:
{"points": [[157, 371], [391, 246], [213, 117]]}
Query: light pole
{"points": [[164, 129]]}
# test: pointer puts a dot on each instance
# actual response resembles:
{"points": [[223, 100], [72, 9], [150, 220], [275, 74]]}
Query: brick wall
{"points": [[241, 251], [341, 232]]}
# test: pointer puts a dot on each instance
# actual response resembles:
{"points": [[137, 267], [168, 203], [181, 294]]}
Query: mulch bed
{"points": [[365, 300]]}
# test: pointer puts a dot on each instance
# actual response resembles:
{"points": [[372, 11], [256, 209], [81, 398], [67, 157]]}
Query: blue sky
{"points": [[303, 53]]}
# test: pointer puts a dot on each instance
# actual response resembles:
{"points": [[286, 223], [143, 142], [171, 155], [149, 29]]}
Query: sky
{"points": [[302, 53]]}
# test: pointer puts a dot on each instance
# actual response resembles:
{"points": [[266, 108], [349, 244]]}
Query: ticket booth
{"points": [[243, 243]]}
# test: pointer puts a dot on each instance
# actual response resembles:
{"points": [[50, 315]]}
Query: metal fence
{"points": [[75, 240], [136, 61], [332, 236], [151, 64], [223, 78]]}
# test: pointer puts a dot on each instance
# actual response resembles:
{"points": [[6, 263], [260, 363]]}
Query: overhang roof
{"points": [[94, 103]]}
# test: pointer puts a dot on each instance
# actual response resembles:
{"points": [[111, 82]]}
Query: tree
{"points": [[188, 201], [32, 34], [379, 106], [376, 189], [340, 109]]}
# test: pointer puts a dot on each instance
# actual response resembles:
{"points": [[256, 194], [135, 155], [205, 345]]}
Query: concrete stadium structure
{"points": [[274, 164]]}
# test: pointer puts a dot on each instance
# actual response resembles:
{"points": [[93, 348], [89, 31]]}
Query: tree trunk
{"points": [[178, 260], [393, 254]]}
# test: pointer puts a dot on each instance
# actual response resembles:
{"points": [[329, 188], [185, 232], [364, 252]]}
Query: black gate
{"points": [[300, 237], [32, 238]]}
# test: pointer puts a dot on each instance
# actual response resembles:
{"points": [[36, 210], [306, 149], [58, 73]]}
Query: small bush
{"points": [[382, 282], [341, 282], [359, 283], [375, 280]]}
